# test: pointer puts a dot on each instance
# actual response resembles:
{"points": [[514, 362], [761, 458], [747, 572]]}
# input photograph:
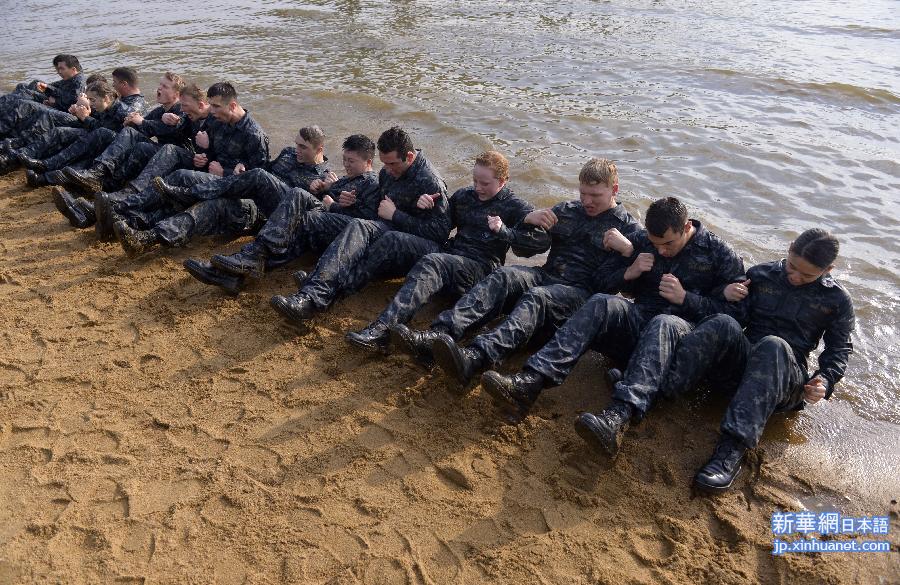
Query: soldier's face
{"points": [[119, 85], [395, 164], [306, 152], [801, 271], [65, 71], [165, 92], [597, 197], [98, 104], [486, 184], [355, 164], [671, 243], [220, 109], [192, 108]]}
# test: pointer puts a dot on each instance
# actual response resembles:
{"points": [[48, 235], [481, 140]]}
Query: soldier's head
{"points": [[490, 174], [194, 103], [310, 142], [67, 66], [396, 151], [125, 81], [811, 256], [100, 95], [94, 77], [223, 104], [598, 184], [169, 89], [668, 226], [359, 152]]}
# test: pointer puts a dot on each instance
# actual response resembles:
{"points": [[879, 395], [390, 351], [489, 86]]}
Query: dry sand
{"points": [[153, 430]]}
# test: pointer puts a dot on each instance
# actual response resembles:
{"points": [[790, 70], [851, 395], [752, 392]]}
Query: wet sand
{"points": [[153, 430]]}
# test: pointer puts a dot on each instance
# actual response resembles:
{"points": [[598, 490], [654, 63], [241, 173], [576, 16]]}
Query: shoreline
{"points": [[153, 428]]}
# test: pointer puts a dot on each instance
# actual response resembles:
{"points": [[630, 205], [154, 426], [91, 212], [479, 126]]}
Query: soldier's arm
{"points": [[838, 347], [368, 196], [433, 224], [730, 269], [257, 151], [53, 89], [154, 126]]}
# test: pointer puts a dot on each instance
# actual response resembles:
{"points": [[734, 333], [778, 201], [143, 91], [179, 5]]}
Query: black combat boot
{"points": [[209, 274], [89, 180], [300, 278], [604, 432], [460, 362], [35, 180], [296, 308], [134, 242], [514, 394], [719, 473], [34, 164], [66, 204], [416, 343], [171, 192], [7, 164], [87, 208], [106, 217], [250, 261], [54, 178], [374, 336], [613, 376]]}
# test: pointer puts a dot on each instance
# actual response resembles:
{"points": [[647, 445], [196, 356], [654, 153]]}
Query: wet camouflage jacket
{"points": [[243, 142], [705, 266], [65, 91], [802, 316], [475, 240], [420, 178], [368, 195], [293, 173], [577, 256], [164, 133], [113, 118]]}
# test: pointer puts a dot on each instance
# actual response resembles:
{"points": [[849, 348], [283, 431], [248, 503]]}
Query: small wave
{"points": [[119, 46], [861, 30], [300, 12]]}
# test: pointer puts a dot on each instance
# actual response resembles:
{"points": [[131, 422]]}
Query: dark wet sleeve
{"points": [[433, 224], [53, 89], [256, 151], [838, 347], [696, 307], [368, 197], [154, 126]]}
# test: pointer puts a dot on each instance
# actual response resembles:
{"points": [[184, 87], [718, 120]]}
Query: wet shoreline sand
{"points": [[154, 430]]}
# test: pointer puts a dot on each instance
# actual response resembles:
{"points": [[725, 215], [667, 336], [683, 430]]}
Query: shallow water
{"points": [[767, 118]]}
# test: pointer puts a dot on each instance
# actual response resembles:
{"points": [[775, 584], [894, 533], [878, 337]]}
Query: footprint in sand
{"points": [[651, 547]]}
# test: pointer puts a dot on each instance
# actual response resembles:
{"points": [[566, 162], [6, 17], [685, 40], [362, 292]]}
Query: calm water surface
{"points": [[767, 118]]}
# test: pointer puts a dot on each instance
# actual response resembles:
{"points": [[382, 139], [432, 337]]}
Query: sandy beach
{"points": [[153, 430]]}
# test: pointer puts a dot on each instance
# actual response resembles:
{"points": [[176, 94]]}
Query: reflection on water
{"points": [[768, 118]]}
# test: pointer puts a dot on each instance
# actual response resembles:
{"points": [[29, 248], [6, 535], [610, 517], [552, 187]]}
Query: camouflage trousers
{"points": [[126, 156], [361, 252], [532, 300], [261, 186], [83, 150], [146, 208], [219, 216], [289, 232], [434, 273], [765, 377]]}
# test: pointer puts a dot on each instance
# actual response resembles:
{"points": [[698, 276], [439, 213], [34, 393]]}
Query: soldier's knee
{"points": [[772, 344], [667, 322]]}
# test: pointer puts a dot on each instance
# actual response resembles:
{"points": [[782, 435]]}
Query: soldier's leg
{"points": [[119, 148], [716, 350], [487, 299], [85, 148], [219, 216], [130, 168], [166, 160], [293, 227], [52, 142], [336, 266], [263, 187], [540, 307], [436, 272], [650, 361], [772, 381], [190, 178], [602, 321], [390, 256]]}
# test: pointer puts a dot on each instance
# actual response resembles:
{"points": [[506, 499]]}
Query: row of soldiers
{"points": [[199, 164]]}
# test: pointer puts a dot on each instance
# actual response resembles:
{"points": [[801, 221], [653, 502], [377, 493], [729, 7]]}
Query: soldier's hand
{"points": [[134, 118], [542, 218], [202, 139], [641, 264], [81, 112], [41, 86], [670, 289], [316, 186], [239, 168], [427, 201], [327, 202], [615, 241], [200, 160], [50, 101], [170, 119], [215, 168], [386, 209], [330, 179], [737, 291], [347, 198], [495, 224], [814, 390]]}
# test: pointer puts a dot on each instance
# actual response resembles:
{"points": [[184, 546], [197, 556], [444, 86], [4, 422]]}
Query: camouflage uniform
{"points": [[472, 253], [343, 267], [217, 216], [540, 298], [646, 331], [767, 364], [64, 91]]}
